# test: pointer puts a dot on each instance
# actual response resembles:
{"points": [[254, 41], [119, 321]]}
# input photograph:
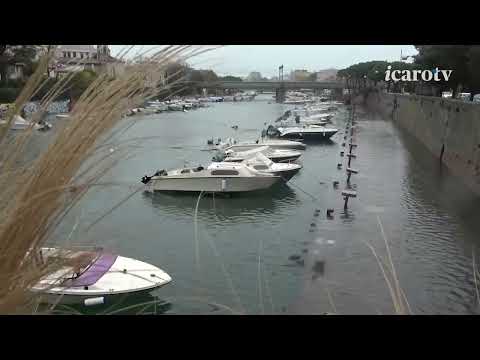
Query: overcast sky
{"points": [[240, 60]]}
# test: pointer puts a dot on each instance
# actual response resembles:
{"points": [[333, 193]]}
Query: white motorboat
{"points": [[19, 123], [295, 101], [218, 177], [149, 111], [281, 144], [326, 117], [91, 277], [276, 155], [300, 121], [321, 109], [175, 107], [62, 116], [232, 144], [157, 106], [215, 99], [261, 163], [307, 132]]}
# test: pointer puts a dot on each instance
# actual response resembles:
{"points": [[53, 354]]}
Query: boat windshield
{"points": [[263, 159]]}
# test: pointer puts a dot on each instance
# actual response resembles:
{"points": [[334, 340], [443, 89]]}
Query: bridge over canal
{"points": [[280, 87]]}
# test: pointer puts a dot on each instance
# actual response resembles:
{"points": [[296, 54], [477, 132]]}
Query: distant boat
{"points": [[215, 99], [260, 162], [305, 132], [19, 123], [276, 155], [62, 116], [232, 144]]}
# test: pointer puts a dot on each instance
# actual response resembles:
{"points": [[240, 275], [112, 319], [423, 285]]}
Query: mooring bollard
{"points": [[341, 153], [345, 137], [335, 184], [339, 166], [343, 144], [348, 194], [350, 171]]}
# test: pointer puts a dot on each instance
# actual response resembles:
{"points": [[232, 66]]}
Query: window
{"points": [[69, 54], [224, 172], [64, 54], [185, 171], [261, 167], [74, 54], [81, 55]]}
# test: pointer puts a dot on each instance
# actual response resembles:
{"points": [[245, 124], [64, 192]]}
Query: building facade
{"points": [[254, 76], [300, 75], [73, 58]]}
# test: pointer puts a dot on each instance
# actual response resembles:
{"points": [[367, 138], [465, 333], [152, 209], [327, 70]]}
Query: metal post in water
{"points": [[350, 156], [348, 194], [350, 171]]}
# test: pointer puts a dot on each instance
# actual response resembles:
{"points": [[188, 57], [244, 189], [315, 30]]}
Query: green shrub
{"points": [[8, 95]]}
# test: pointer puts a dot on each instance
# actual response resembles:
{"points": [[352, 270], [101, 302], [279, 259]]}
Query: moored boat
{"points": [[276, 155], [261, 163], [218, 177], [307, 132], [93, 276]]}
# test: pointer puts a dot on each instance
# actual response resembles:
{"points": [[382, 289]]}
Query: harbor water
{"points": [[275, 251]]}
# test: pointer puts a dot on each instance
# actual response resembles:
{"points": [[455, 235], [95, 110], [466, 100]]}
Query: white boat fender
{"points": [[94, 301], [224, 184]]}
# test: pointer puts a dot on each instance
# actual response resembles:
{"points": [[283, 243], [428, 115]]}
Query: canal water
{"points": [[276, 252]]}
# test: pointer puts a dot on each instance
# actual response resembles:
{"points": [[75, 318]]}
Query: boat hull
{"points": [[212, 184], [276, 146], [286, 175], [309, 135], [277, 159]]}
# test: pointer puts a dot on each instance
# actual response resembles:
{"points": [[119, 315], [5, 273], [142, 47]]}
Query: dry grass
{"points": [[35, 198], [475, 275], [387, 267]]}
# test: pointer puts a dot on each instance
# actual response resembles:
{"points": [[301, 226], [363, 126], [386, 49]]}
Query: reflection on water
{"points": [[143, 304], [247, 208]]}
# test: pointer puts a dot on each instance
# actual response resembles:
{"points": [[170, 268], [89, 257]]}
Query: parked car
{"points": [[447, 94], [476, 98]]}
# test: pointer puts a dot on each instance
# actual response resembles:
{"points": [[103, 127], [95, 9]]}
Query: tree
{"points": [[11, 54], [175, 72], [231, 78], [473, 65], [447, 57], [80, 82]]}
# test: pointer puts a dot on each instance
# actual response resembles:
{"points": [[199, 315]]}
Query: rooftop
{"points": [[79, 48]]}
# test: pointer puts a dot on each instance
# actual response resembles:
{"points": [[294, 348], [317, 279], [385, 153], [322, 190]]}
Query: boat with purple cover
{"points": [[90, 276]]}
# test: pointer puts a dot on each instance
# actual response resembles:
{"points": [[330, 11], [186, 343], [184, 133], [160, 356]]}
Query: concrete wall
{"points": [[438, 123]]}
